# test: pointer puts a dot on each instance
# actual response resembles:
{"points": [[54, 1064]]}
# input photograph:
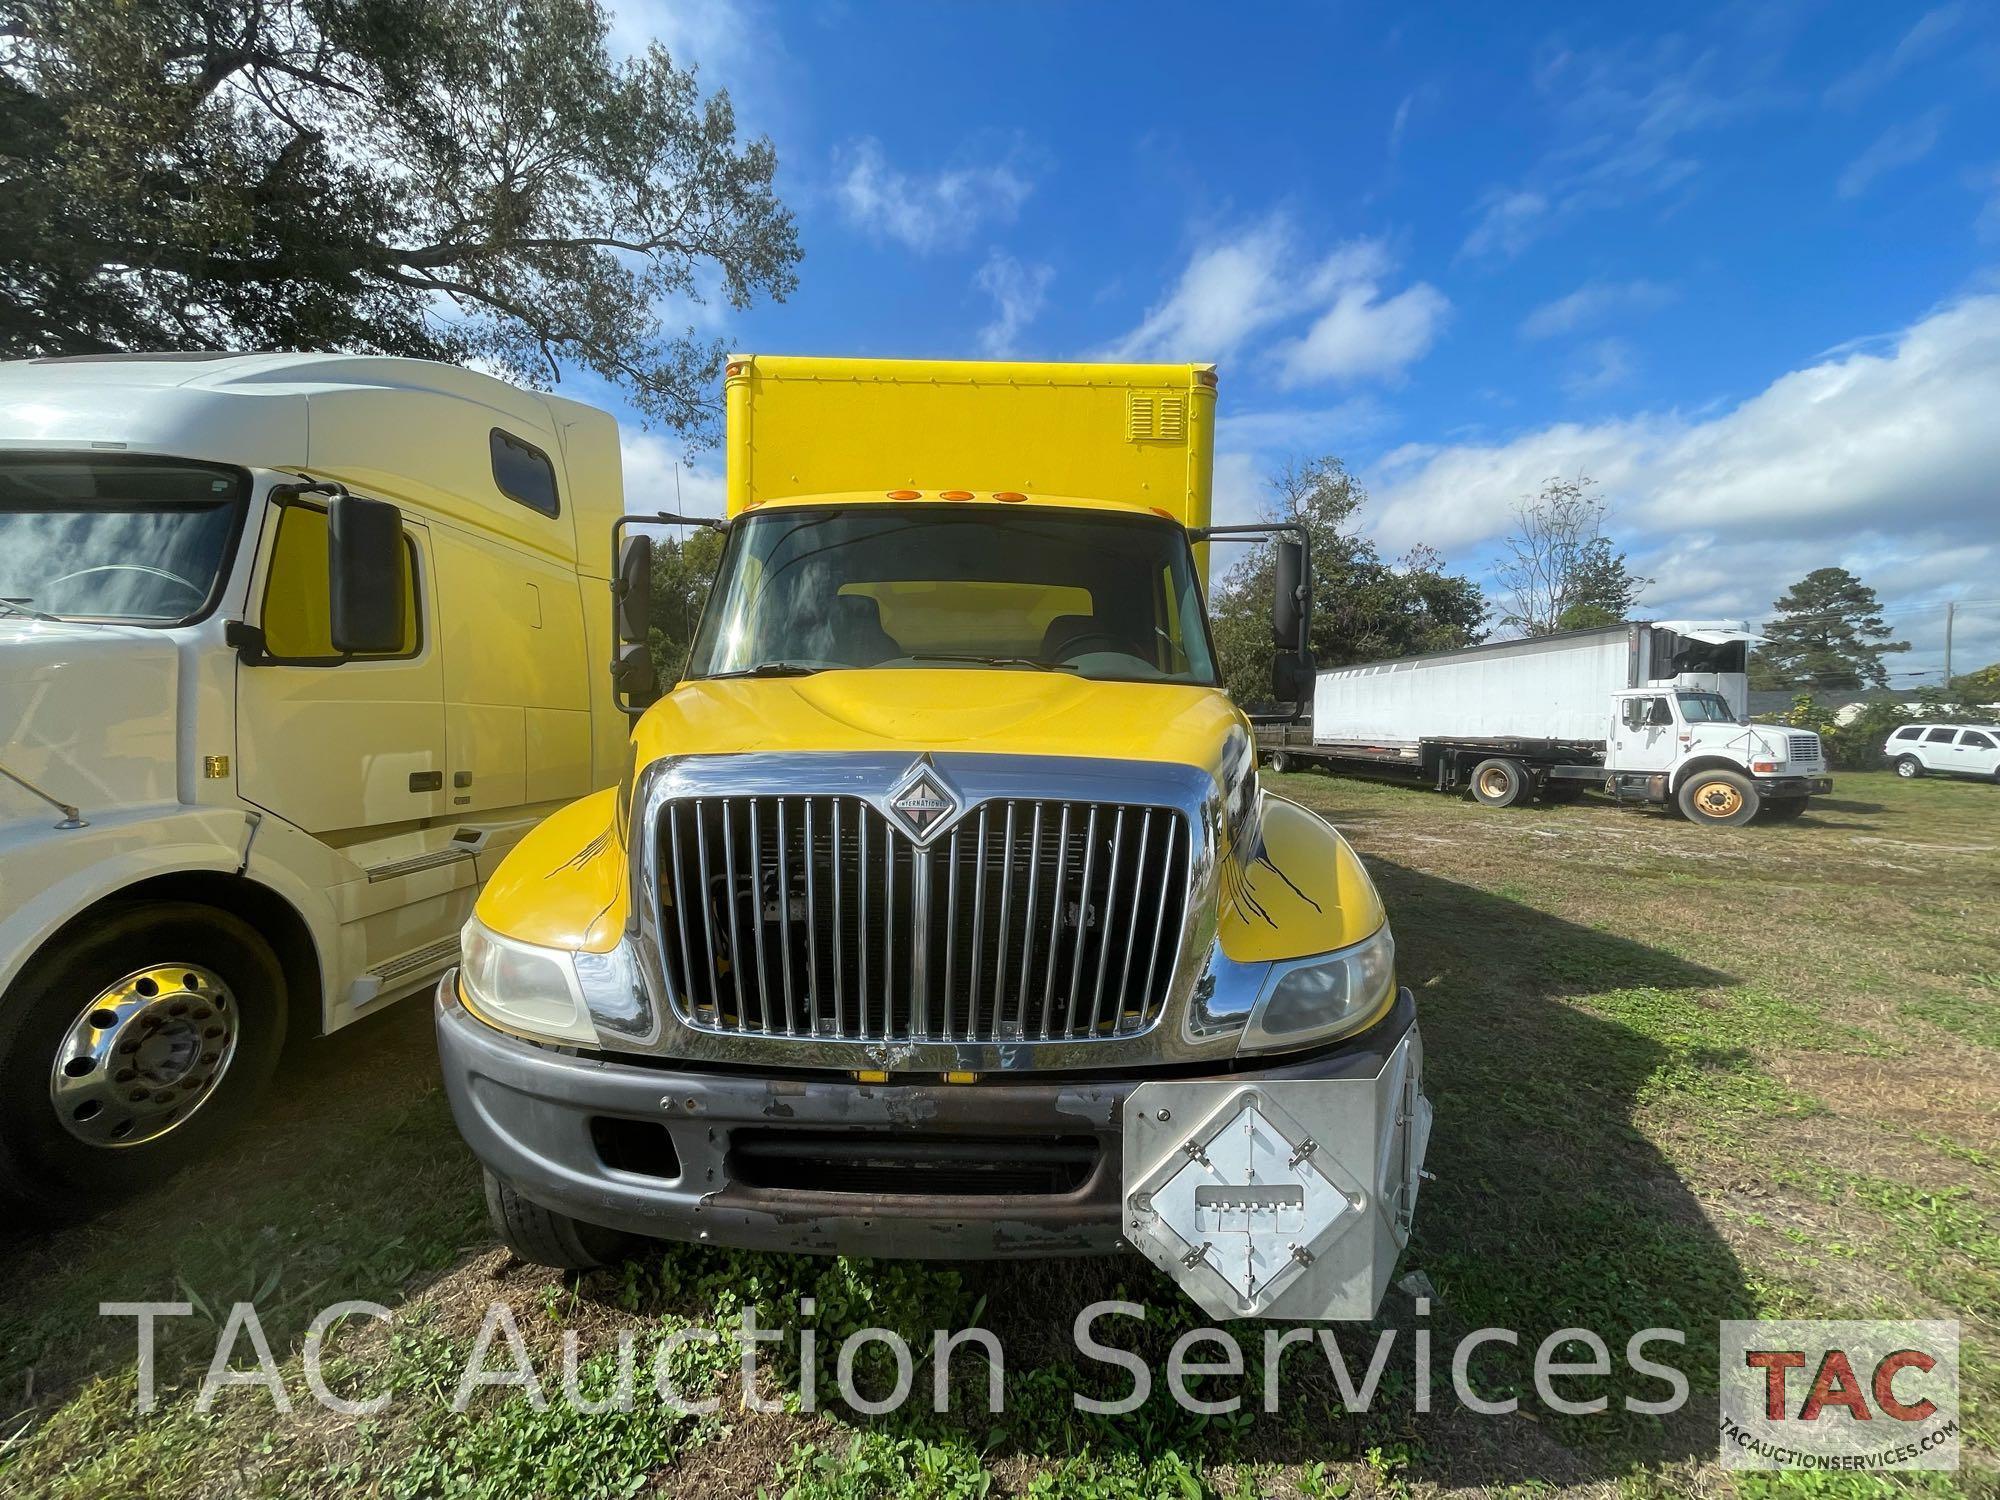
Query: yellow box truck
{"points": [[940, 912]]}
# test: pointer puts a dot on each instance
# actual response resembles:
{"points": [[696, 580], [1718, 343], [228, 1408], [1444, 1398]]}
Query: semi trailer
{"points": [[940, 911], [1644, 711]]}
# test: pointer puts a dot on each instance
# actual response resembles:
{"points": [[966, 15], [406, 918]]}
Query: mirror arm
{"points": [[1261, 531]]}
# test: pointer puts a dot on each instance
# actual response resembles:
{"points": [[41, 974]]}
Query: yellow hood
{"points": [[997, 711], [1289, 884]]}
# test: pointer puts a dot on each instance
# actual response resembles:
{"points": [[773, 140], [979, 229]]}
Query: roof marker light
{"points": [[1206, 377], [954, 494], [1012, 497], [906, 494]]}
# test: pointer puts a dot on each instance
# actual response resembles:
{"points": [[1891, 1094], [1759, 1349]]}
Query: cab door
{"points": [[1645, 736], [345, 747]]}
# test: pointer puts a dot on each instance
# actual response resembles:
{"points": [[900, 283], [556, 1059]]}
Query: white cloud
{"points": [[1590, 304], [1624, 121], [1235, 289], [1603, 365], [658, 477], [1899, 439], [1018, 292], [1930, 32], [925, 211], [1364, 333], [1508, 223], [1899, 146]]}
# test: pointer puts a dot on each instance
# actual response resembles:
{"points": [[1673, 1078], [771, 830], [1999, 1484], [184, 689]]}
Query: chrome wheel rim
{"points": [[144, 1055]]}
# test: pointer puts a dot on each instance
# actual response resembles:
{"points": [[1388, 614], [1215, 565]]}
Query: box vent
{"points": [[1155, 417]]}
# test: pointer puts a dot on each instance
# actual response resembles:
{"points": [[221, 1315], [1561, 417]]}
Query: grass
{"points": [[1680, 1075]]}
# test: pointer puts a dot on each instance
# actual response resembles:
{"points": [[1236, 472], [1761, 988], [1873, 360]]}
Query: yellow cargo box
{"points": [[1136, 434]]}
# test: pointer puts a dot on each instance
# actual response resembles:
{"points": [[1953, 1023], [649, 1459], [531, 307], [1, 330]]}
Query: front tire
{"points": [[1910, 768], [1501, 783], [1719, 799], [542, 1237], [130, 1045]]}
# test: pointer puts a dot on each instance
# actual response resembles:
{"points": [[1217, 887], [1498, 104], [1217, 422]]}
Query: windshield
{"points": [[104, 537], [1706, 708], [1110, 597]]}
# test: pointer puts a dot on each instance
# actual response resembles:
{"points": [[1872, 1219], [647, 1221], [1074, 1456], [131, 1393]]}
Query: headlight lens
{"points": [[1316, 999], [524, 986]]}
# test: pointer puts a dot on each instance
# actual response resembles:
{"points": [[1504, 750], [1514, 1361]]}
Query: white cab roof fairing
{"points": [[405, 428], [1711, 632]]}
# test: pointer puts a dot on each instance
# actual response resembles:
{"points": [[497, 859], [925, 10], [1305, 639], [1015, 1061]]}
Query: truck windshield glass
{"points": [[108, 538], [997, 587], [1706, 708]]}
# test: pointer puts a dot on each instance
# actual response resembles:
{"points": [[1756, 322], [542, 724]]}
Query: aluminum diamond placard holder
{"points": [[1288, 1199]]}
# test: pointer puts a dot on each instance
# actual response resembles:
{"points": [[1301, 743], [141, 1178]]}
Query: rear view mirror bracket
{"points": [[634, 680]]}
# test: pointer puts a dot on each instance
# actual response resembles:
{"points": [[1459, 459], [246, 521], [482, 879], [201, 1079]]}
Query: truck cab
{"points": [[1691, 745], [293, 649], [940, 911]]}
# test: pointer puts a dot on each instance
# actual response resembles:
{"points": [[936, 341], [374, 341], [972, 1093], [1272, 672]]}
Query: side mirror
{"points": [[633, 613], [633, 677], [1292, 675], [1288, 602], [366, 585]]}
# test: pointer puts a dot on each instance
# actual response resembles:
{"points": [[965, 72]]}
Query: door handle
{"points": [[426, 781]]}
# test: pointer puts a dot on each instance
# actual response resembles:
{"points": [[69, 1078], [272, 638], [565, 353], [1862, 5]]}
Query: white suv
{"points": [[1945, 750]]}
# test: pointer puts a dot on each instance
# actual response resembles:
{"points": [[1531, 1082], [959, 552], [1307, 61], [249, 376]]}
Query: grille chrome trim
{"points": [[1025, 1019]]}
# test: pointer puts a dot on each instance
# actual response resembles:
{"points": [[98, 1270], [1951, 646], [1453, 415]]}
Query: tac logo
{"points": [[1851, 1397]]}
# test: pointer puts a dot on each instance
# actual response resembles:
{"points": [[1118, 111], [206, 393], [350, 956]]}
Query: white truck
{"points": [[293, 649], [1646, 711]]}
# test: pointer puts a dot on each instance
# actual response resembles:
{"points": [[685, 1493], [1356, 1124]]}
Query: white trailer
{"points": [[1647, 711]]}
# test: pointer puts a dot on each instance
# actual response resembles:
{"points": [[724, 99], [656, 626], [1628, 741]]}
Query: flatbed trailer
{"points": [[1556, 769]]}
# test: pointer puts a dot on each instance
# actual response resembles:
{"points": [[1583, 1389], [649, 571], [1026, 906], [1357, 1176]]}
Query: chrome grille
{"points": [[815, 916]]}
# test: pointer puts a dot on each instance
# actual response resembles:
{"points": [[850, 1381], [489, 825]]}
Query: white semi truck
{"points": [[1648, 711], [293, 649]]}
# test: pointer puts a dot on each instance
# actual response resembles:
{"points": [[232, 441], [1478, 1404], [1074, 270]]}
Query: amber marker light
{"points": [[954, 494], [906, 494], [1012, 497]]}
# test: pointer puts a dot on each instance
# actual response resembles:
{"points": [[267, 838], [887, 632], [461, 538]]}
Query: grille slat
{"points": [[1026, 921]]}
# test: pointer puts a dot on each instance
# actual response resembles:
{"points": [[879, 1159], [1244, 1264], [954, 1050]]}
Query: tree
{"points": [[1828, 634], [1980, 688], [683, 568], [465, 180], [1363, 608], [1561, 571]]}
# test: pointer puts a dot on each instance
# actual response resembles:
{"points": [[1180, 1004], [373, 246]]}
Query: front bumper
{"points": [[1794, 786], [700, 1155]]}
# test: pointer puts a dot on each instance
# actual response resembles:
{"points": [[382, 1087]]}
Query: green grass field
{"points": [[1680, 1076]]}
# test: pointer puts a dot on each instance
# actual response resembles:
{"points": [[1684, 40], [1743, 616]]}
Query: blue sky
{"points": [[1741, 270]]}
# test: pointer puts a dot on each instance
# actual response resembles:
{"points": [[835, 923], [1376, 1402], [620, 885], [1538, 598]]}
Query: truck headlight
{"points": [[1316, 999], [524, 986]]}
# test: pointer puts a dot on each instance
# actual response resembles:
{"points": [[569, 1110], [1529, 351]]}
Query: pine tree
{"points": [[1828, 634]]}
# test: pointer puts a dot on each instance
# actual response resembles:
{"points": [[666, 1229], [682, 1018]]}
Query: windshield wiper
{"points": [[769, 669], [20, 606], [994, 661]]}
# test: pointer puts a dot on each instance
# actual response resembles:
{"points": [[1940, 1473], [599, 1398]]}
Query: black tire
{"points": [[42, 1163], [1501, 783], [1784, 810], [1280, 762], [542, 1237], [1909, 767], [1719, 799]]}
